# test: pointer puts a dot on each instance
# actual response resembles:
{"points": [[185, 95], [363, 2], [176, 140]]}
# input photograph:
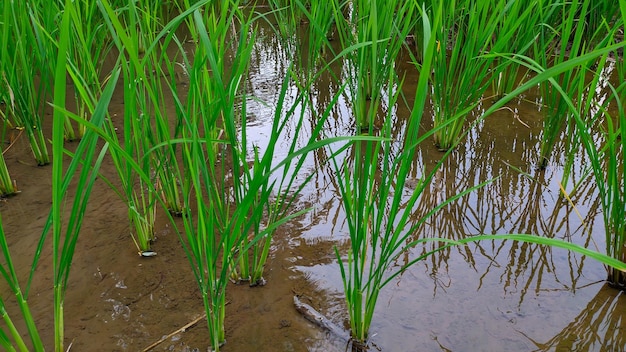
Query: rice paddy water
{"points": [[324, 181]]}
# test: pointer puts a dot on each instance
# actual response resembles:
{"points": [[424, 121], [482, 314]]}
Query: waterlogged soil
{"points": [[119, 301], [489, 296]]}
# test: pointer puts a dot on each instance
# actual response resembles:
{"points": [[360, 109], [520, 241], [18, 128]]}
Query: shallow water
{"points": [[487, 296]]}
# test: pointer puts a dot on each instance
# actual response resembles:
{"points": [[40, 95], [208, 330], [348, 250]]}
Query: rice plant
{"points": [[569, 39], [145, 125], [212, 233], [7, 185], [64, 228], [378, 30], [25, 69], [89, 46], [586, 100], [63, 244], [165, 123], [609, 168], [377, 225], [609, 181], [277, 183], [461, 71]]}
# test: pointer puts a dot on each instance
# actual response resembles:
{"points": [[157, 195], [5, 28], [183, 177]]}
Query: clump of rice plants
{"points": [[25, 64], [609, 168], [276, 184], [145, 125], [376, 213], [568, 40], [606, 161], [461, 72], [377, 31], [63, 229], [89, 46], [212, 232], [230, 188]]}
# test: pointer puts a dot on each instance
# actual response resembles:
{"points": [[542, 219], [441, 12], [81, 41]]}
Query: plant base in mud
{"points": [[617, 279], [211, 349], [259, 282]]}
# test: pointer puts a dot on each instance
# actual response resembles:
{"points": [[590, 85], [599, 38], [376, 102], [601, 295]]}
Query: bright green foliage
{"points": [[65, 229], [7, 185], [461, 72], [377, 31], [522, 20], [26, 60], [89, 46], [569, 40], [377, 213], [145, 125], [212, 232], [233, 195], [609, 169]]}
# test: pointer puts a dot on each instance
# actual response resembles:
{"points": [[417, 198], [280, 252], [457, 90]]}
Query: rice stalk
{"points": [[65, 229], [7, 185], [608, 166]]}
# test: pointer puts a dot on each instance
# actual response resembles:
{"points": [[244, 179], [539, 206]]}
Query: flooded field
{"points": [[495, 295]]}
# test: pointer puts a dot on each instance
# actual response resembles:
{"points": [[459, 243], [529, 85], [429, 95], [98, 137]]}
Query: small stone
{"points": [[284, 323]]}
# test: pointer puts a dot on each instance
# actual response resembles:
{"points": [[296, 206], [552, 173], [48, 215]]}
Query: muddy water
{"points": [[489, 296]]}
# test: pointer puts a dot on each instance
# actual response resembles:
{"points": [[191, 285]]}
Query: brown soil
{"points": [[119, 301]]}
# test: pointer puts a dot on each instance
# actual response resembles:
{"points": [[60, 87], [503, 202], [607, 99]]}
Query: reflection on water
{"points": [[486, 296], [597, 327]]}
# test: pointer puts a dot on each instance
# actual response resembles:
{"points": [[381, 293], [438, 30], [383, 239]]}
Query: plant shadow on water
{"points": [[498, 295]]}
